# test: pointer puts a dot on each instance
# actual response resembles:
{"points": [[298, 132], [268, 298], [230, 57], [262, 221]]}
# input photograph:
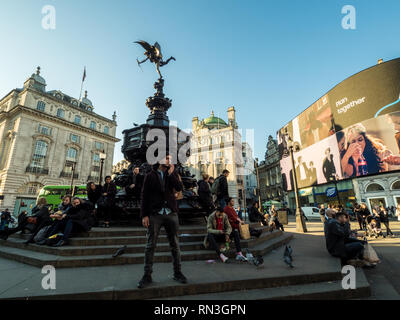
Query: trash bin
{"points": [[283, 217]]}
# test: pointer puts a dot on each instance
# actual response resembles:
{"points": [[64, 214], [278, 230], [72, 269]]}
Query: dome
{"points": [[213, 121], [36, 76], [86, 101]]}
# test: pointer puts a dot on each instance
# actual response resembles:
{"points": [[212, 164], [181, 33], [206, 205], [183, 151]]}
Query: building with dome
{"points": [[216, 145], [43, 134]]}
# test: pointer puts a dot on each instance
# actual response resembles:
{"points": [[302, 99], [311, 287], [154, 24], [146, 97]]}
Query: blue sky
{"points": [[269, 59]]}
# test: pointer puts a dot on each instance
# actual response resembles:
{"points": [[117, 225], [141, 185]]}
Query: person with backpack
{"points": [[76, 219], [220, 188]]}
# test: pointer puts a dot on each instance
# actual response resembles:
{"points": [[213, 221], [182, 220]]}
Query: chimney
{"points": [[195, 123]]}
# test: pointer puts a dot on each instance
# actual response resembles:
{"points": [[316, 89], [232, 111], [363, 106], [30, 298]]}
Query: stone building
{"points": [[42, 135], [269, 172], [121, 165], [217, 145], [382, 189]]}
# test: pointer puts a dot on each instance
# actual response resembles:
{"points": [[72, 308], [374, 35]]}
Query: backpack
{"points": [[54, 239], [41, 236], [215, 186]]}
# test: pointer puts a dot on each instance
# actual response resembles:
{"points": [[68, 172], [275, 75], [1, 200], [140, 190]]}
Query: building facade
{"points": [[383, 189], [217, 145], [269, 172], [45, 138]]}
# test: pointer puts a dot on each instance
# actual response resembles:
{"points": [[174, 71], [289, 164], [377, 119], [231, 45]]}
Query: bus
{"points": [[54, 194]]}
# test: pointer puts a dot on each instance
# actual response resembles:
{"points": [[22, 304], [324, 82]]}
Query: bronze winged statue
{"points": [[154, 54]]}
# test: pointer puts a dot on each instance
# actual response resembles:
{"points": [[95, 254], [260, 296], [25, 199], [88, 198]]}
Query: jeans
{"points": [[354, 250], [65, 226], [221, 203], [171, 226], [214, 239], [388, 231]]}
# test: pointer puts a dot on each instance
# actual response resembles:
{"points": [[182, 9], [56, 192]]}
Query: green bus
{"points": [[54, 194]]}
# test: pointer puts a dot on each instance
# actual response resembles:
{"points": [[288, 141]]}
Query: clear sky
{"points": [[269, 59]]}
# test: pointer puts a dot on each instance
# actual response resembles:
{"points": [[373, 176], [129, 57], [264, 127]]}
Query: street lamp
{"points": [[103, 157], [300, 223], [73, 165], [258, 183]]}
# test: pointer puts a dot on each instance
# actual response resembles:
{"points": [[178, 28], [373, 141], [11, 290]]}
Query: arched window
{"points": [[106, 130], [373, 187], [396, 185], [60, 113], [41, 106], [39, 154]]}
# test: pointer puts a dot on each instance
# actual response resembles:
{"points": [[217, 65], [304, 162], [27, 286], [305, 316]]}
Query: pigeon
{"points": [[287, 256], [120, 251], [258, 261]]}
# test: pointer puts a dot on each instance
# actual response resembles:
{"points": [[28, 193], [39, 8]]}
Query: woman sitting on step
{"points": [[76, 219]]}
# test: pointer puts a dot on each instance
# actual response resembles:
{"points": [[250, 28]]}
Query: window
{"points": [[93, 125], [396, 185], [72, 154], [60, 113], [45, 130], [96, 158], [374, 187], [41, 106], [75, 138], [106, 130], [77, 120], [39, 154], [99, 145]]}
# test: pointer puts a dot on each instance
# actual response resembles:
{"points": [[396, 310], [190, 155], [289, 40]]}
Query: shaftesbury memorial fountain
{"points": [[137, 141]]}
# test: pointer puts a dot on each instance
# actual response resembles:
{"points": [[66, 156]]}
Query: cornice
{"points": [[45, 116], [54, 99]]}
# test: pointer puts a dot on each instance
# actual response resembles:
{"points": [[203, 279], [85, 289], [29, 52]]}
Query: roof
{"points": [[214, 121]]}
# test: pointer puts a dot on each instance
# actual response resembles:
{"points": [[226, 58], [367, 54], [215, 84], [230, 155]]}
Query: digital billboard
{"points": [[352, 131]]}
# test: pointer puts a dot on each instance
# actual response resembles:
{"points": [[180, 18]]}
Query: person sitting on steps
{"points": [[219, 230]]}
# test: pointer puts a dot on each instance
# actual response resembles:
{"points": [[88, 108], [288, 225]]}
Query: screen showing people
{"points": [[332, 140]]}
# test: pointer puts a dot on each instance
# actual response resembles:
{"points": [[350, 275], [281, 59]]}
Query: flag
{"points": [[84, 74]]}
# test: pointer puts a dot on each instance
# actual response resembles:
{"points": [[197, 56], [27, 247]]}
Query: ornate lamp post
{"points": [[258, 183], [300, 223], [103, 157], [73, 165]]}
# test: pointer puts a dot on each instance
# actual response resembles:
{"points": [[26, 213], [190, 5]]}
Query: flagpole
{"points": [[83, 79]]}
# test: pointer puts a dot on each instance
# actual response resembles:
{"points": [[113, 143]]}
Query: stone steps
{"points": [[26, 255], [326, 290], [86, 250]]}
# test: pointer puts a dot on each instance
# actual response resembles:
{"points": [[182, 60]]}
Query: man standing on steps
{"points": [[159, 208]]}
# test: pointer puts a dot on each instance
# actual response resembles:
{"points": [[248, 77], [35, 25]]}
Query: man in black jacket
{"points": [[108, 192], [159, 208], [328, 167], [135, 183], [222, 192], [338, 241]]}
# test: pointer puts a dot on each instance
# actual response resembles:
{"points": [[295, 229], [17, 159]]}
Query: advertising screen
{"points": [[352, 131]]}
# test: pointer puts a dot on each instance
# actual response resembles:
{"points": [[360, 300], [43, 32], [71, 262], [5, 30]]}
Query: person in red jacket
{"points": [[235, 221]]}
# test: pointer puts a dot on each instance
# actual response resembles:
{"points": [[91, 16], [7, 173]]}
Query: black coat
{"points": [[336, 237], [204, 192], [223, 192], [111, 190], [157, 194], [94, 195], [137, 180], [255, 215], [81, 216]]}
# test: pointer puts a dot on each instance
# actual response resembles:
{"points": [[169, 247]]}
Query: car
{"points": [[311, 212]]}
